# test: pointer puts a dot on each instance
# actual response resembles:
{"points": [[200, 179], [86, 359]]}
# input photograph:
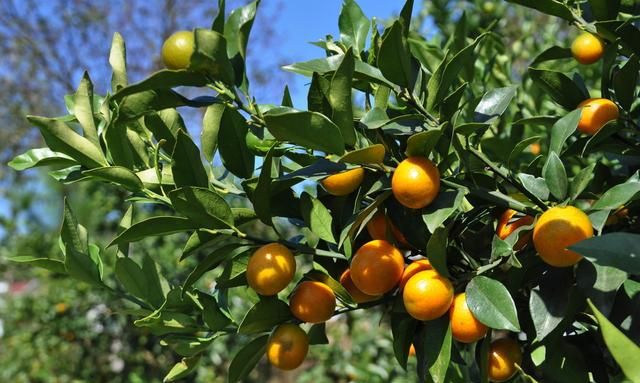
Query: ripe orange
{"points": [[177, 50], [357, 295], [507, 225], [412, 269], [596, 112], [587, 48], [465, 327], [377, 229], [504, 354], [620, 214], [412, 350], [535, 148], [427, 295], [377, 267], [313, 302], [343, 183], [287, 347], [416, 182], [557, 229], [270, 269]]}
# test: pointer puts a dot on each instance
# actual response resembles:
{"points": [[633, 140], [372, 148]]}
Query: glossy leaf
{"points": [[491, 303], [187, 167], [436, 351], [446, 203], [247, 358], [340, 98], [555, 176], [581, 181], [83, 110], [561, 88], [625, 80], [563, 129], [494, 103], [304, 128], [402, 329], [40, 157], [154, 226], [212, 314], [118, 175], [373, 154], [548, 303], [163, 79], [165, 125], [317, 217], [202, 206], [210, 56], [437, 250], [550, 7], [132, 278], [354, 26], [118, 62], [265, 315], [394, 59], [619, 250], [421, 144], [537, 186], [232, 147], [619, 195]]}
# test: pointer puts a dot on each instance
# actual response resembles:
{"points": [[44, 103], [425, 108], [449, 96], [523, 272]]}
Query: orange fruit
{"points": [[535, 148], [415, 182], [377, 229], [557, 229], [313, 302], [465, 327], [507, 225], [270, 269], [504, 354], [412, 350], [587, 48], [377, 267], [177, 50], [343, 183], [287, 347], [412, 269], [596, 112], [357, 295], [618, 216], [427, 295]]}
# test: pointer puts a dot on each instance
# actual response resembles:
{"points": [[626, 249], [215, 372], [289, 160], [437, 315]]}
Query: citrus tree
{"points": [[491, 215]]}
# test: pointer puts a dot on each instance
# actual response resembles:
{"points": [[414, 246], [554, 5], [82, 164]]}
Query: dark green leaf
{"points": [[537, 186], [340, 98], [202, 206], [625, 80], [151, 101], [212, 315], [304, 128], [446, 203], [210, 56], [435, 353], [553, 53], [494, 103], [619, 250], [232, 146], [619, 195], [491, 303], [403, 328], [236, 31], [421, 144], [165, 125], [164, 79], [437, 250], [261, 198], [373, 154], [161, 225], [549, 302], [563, 129], [605, 9], [132, 278], [394, 60], [118, 175], [581, 181], [600, 284], [318, 334], [83, 110], [550, 7], [561, 88], [317, 217], [213, 260], [264, 316], [218, 22], [247, 358], [187, 166]]}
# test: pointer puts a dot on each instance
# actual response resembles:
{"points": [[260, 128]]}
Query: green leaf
{"points": [[165, 125], [118, 62], [163, 80], [447, 72], [84, 266], [340, 98], [247, 358], [550, 7], [491, 303], [83, 110], [162, 322], [53, 265], [304, 128], [600, 284], [202, 206], [555, 176], [619, 250], [132, 278], [154, 226], [232, 146], [549, 302], [581, 181], [182, 369], [619, 195], [563, 129], [118, 175], [550, 54], [212, 314], [421, 144], [437, 250], [187, 167], [363, 71], [318, 334], [394, 60], [218, 22], [435, 353], [403, 328], [494, 103], [142, 103], [261, 198], [317, 217], [155, 289], [210, 56], [236, 31], [354, 26], [41, 157], [605, 9], [536, 185], [60, 137], [264, 316], [339, 290], [520, 147], [373, 154], [625, 80], [623, 350], [446, 203], [561, 88], [213, 260]]}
